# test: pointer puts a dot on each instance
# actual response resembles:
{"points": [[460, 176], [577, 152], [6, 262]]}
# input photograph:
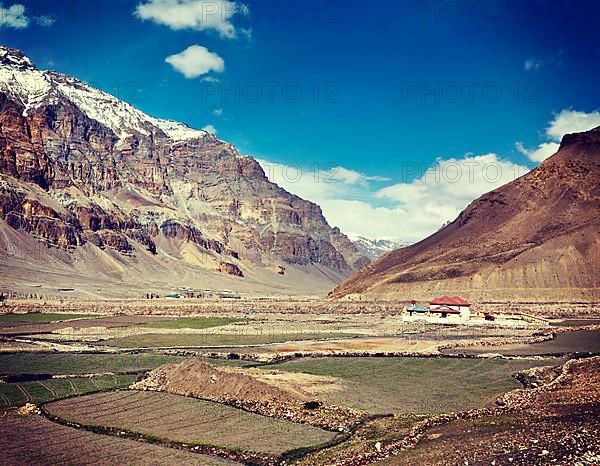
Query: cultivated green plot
{"points": [[36, 440], [17, 394], [414, 385], [40, 317], [194, 322], [177, 418], [79, 363], [162, 340]]}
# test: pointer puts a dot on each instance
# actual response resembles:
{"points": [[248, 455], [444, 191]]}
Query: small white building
{"points": [[451, 308]]}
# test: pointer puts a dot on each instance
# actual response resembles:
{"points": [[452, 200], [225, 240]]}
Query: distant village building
{"points": [[417, 310], [450, 307], [442, 309]]}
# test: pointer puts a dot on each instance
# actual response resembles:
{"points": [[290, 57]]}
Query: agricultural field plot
{"points": [[188, 420], [37, 317], [36, 440], [183, 340], [78, 324], [17, 394], [80, 363], [563, 343], [413, 385], [194, 322]]}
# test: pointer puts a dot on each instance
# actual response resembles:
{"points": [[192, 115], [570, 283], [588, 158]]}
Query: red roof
{"points": [[444, 310], [450, 301]]}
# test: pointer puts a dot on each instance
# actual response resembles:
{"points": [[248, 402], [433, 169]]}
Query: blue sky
{"points": [[385, 87]]}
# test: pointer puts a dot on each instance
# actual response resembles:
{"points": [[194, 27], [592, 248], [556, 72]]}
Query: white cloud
{"points": [[541, 153], [565, 122], [345, 175], [14, 16], [210, 129], [45, 20], [404, 212], [196, 61], [445, 190], [572, 121], [198, 15], [533, 64], [217, 112]]}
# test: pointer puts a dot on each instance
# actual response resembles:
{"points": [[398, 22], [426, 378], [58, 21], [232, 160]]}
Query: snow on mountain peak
{"points": [[15, 59], [374, 248], [20, 79]]}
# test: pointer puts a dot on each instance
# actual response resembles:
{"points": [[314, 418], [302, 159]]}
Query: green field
{"points": [[39, 317], [193, 322], [191, 421], [414, 385], [158, 340], [17, 394], [80, 363]]}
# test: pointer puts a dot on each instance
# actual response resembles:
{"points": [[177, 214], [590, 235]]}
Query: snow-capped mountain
{"points": [[23, 82], [374, 248], [83, 170]]}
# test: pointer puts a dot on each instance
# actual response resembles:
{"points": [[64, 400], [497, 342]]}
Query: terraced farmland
{"points": [[17, 394], [414, 385], [36, 440], [188, 420]]}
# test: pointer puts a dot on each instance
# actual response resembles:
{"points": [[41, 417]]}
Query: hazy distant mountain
{"points": [[537, 238], [118, 196]]}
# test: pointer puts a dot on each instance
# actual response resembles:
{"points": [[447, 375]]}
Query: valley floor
{"points": [[302, 381]]}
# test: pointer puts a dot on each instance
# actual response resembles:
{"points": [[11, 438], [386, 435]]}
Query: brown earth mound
{"points": [[268, 393], [200, 379]]}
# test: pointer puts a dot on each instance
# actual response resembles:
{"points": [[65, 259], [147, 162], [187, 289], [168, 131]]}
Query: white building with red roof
{"points": [[450, 307]]}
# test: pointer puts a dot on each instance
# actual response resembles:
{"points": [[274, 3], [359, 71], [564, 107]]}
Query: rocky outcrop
{"points": [[231, 269], [21, 212]]}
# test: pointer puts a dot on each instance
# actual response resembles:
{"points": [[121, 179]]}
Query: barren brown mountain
{"points": [[536, 238]]}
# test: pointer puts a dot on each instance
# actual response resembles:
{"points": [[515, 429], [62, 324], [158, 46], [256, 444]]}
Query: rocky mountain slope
{"points": [[536, 238], [114, 194]]}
